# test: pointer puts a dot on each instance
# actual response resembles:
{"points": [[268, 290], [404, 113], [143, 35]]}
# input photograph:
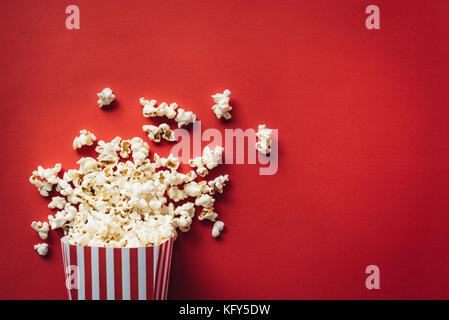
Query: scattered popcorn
{"points": [[121, 198], [44, 179], [62, 217], [196, 189], [149, 109], [171, 162], [105, 97], [218, 183], [156, 133], [208, 214], [221, 107], [41, 248], [108, 151], [205, 201], [125, 148], [87, 165], [85, 138], [57, 202], [217, 228], [108, 202], [264, 143], [184, 118], [140, 150], [41, 228], [209, 160], [176, 194]]}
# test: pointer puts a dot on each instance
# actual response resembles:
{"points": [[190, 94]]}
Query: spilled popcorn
{"points": [[155, 133], [41, 228], [221, 107], [217, 228], [209, 160], [41, 249], [124, 197], [182, 117], [263, 144], [105, 97], [85, 138]]}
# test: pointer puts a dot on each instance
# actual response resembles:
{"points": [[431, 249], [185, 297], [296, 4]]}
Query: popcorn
{"points": [[41, 248], [57, 202], [218, 183], [140, 150], [205, 201], [264, 143], [85, 138], [41, 228], [105, 97], [209, 160], [183, 223], [184, 118], [221, 107], [108, 151], [87, 165], [149, 109], [125, 148], [183, 216], [176, 194], [156, 133], [208, 214], [187, 209], [217, 228], [122, 198], [44, 179], [173, 178], [196, 189], [171, 162], [59, 220]]}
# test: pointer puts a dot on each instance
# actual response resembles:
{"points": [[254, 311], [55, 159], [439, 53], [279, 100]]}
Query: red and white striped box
{"points": [[94, 273]]}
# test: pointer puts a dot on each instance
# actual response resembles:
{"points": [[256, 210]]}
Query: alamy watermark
{"points": [[239, 146], [373, 280]]}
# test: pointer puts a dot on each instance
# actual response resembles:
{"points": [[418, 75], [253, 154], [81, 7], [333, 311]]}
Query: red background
{"points": [[362, 116]]}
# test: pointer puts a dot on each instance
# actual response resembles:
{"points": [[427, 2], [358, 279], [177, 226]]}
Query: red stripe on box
{"points": [[88, 272], [167, 283], [102, 272], [118, 273], [134, 273]]}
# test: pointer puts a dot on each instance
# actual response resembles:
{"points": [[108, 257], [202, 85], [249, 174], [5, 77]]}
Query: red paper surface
{"points": [[362, 116]]}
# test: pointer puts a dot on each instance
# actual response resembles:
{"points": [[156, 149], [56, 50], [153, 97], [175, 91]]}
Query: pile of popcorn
{"points": [[123, 198]]}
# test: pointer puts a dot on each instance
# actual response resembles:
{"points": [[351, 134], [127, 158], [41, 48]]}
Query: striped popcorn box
{"points": [[94, 273]]}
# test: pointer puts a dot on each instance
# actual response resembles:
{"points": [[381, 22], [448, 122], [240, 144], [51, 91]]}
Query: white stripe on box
{"points": [[155, 255], [80, 264], [64, 261], [110, 274], [141, 257], [95, 274], [164, 272], [67, 252], [126, 290]]}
